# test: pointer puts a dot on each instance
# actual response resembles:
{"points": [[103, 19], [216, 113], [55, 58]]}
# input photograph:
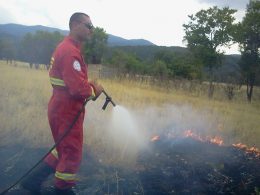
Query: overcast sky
{"points": [[159, 21]]}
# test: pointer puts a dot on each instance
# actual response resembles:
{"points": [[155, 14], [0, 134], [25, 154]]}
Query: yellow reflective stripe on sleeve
{"points": [[65, 176], [93, 92], [52, 60], [58, 82], [54, 152]]}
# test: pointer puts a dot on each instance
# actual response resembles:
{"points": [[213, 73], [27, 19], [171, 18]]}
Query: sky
{"points": [[158, 21]]}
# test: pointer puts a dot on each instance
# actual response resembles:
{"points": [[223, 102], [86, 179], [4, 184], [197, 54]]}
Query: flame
{"points": [[252, 150], [240, 145], [191, 134], [219, 141], [215, 140], [155, 138]]}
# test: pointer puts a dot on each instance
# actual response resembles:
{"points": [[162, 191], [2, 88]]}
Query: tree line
{"points": [[206, 33]]}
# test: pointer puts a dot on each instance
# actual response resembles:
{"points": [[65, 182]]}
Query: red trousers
{"points": [[66, 158]]}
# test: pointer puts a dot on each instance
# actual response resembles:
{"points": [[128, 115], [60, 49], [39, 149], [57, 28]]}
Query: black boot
{"points": [[35, 179], [64, 192]]}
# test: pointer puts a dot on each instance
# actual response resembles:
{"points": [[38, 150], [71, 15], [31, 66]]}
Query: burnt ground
{"points": [[167, 166]]}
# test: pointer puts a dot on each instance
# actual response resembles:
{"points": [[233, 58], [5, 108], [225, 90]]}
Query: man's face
{"points": [[84, 28]]}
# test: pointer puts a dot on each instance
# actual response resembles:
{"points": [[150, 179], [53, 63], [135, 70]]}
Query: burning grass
{"points": [[186, 165]]}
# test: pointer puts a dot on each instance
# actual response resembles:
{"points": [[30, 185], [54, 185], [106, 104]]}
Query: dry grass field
{"points": [[155, 110]]}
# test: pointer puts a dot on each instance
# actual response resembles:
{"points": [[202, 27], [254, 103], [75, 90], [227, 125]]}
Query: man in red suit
{"points": [[69, 78]]}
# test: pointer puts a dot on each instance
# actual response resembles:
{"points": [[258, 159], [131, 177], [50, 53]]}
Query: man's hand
{"points": [[97, 89]]}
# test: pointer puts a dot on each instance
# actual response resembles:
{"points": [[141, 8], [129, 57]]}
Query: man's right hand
{"points": [[97, 89]]}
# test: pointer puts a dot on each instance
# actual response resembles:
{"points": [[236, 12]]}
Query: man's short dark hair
{"points": [[76, 17]]}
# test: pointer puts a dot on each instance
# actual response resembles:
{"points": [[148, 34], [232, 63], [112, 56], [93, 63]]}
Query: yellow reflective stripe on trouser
{"points": [[55, 81], [54, 152], [65, 176]]}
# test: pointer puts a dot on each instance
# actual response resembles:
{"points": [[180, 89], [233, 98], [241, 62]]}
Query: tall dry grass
{"points": [[24, 96], [23, 113]]}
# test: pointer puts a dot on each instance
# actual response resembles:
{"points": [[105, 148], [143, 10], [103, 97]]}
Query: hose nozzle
{"points": [[108, 100]]}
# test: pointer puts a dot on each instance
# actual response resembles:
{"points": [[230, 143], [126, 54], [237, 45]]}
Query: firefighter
{"points": [[69, 78]]}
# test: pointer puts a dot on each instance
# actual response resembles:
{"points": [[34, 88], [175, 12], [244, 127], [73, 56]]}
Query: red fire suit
{"points": [[69, 78]]}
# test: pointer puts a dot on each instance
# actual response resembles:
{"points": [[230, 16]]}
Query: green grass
{"points": [[25, 94]]}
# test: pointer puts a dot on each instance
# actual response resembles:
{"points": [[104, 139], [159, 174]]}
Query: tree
{"points": [[26, 48], [247, 34], [95, 47], [206, 33], [160, 70], [117, 61], [180, 65], [127, 63], [37, 48], [187, 67], [7, 49]]}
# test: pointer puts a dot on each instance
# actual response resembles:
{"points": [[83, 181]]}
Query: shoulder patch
{"points": [[76, 65]]}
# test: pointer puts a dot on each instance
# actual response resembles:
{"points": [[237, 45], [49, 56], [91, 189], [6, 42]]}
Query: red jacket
{"points": [[68, 72], [68, 75]]}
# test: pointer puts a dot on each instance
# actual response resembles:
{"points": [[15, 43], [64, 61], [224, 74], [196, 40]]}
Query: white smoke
{"points": [[120, 132]]}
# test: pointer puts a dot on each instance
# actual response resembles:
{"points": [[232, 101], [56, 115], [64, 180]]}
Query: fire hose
{"points": [[66, 132]]}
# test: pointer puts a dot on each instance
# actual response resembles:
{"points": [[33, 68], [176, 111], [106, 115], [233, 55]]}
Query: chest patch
{"points": [[76, 65]]}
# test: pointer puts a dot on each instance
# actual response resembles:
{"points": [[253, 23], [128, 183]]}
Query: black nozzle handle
{"points": [[106, 103], [108, 98]]}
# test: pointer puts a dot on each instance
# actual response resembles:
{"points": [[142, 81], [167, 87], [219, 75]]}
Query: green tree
{"points": [[247, 34], [165, 61], [180, 65], [160, 70], [206, 33], [27, 48], [37, 48], [118, 61], [7, 49], [133, 65], [185, 66], [96, 46], [127, 63]]}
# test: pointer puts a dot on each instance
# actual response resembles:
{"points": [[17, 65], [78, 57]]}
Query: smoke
{"points": [[119, 133], [175, 119]]}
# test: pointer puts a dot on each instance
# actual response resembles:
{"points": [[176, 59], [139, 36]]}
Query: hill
{"points": [[17, 31]]}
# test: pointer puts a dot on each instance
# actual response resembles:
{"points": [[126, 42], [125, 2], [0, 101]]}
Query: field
{"points": [[154, 109], [119, 156]]}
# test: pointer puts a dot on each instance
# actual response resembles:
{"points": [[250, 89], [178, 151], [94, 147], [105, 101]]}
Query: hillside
{"points": [[17, 31]]}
